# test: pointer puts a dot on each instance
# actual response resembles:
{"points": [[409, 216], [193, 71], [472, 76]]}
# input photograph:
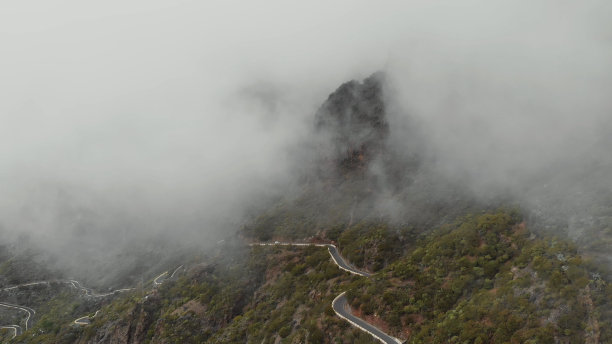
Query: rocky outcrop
{"points": [[352, 122], [130, 331]]}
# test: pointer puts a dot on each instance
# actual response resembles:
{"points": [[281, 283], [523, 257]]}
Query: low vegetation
{"points": [[483, 279]]}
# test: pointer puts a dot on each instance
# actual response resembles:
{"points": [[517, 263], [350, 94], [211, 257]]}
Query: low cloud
{"points": [[174, 117]]}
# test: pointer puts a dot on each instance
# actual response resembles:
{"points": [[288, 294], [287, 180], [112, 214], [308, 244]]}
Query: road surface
{"points": [[27, 285], [158, 280], [333, 252], [16, 329], [75, 284], [343, 264], [340, 305], [343, 310], [177, 269], [86, 320], [91, 293], [28, 310]]}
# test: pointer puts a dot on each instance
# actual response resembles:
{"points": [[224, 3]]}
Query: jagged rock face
{"points": [[353, 122]]}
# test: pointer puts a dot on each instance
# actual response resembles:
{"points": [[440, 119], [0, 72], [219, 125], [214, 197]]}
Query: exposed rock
{"points": [[353, 122]]}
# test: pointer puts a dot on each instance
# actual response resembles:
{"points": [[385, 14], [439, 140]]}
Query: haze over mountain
{"points": [[137, 134]]}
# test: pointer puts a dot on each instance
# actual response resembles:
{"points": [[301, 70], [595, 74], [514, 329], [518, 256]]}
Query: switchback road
{"points": [[160, 279], [28, 310], [91, 293], [86, 320], [343, 310], [340, 304], [16, 329]]}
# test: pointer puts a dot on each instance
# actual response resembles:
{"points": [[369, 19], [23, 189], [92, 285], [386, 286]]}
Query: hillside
{"points": [[440, 265], [484, 279]]}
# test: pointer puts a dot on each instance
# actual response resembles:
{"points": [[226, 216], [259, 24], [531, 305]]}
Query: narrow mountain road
{"points": [[340, 304], [28, 285], [28, 310], [343, 310], [89, 292], [343, 264], [160, 279], [86, 320], [16, 329], [175, 271]]}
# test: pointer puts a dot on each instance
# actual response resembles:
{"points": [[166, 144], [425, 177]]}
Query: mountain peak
{"points": [[353, 118]]}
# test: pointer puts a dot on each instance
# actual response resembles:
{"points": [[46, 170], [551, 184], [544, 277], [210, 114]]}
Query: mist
{"points": [[125, 121]]}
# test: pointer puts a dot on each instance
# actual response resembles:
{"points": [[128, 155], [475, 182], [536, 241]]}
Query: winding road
{"points": [[30, 311], [340, 304], [16, 329], [157, 281], [86, 320], [28, 284], [175, 271], [88, 292]]}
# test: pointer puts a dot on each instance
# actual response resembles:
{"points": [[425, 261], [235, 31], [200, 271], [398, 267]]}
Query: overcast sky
{"points": [[175, 112]]}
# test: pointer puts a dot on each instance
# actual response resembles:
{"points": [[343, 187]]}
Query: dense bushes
{"points": [[482, 280]]}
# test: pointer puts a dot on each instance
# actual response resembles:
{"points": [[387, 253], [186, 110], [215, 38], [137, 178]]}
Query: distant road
{"points": [[158, 280], [175, 271], [16, 329], [340, 304], [333, 252], [86, 320], [73, 283], [91, 293], [28, 284], [30, 311]]}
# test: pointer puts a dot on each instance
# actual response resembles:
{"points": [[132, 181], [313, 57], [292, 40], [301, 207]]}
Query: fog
{"points": [[131, 119]]}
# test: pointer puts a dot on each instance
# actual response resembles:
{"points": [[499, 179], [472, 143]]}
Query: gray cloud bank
{"points": [[125, 119]]}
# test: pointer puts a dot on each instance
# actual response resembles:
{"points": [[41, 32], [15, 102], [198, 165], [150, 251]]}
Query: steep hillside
{"points": [[484, 279], [436, 263], [356, 175]]}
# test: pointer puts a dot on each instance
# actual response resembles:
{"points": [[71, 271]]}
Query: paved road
{"points": [[16, 329], [83, 320], [86, 320], [28, 284], [333, 252], [340, 304], [75, 284], [30, 311], [343, 264], [158, 280], [343, 310], [91, 293], [175, 271]]}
